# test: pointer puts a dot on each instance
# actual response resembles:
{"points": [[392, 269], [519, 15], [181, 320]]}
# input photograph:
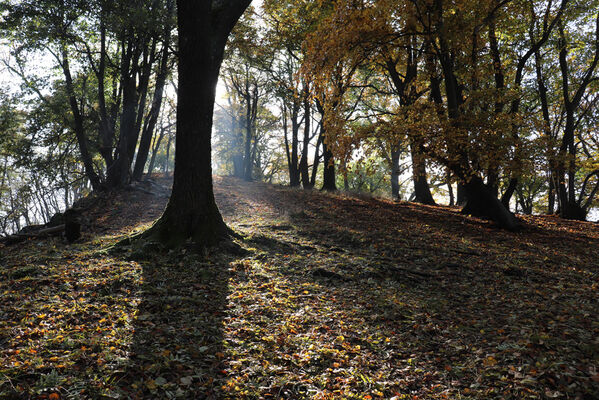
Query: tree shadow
{"points": [[432, 302], [177, 345]]}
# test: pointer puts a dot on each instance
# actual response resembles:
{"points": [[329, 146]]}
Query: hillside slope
{"points": [[336, 298]]}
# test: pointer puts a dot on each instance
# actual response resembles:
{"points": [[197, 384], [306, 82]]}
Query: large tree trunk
{"points": [[422, 191], [482, 203], [191, 212], [328, 176]]}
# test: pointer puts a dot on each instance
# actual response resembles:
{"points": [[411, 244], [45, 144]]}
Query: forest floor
{"points": [[336, 298]]}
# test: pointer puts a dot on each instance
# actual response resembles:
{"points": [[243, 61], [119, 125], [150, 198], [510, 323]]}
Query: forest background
{"points": [[492, 103]]}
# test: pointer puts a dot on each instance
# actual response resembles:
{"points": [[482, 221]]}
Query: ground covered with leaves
{"points": [[334, 298]]}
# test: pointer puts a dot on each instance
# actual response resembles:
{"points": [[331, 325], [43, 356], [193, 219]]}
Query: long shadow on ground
{"points": [[383, 300], [177, 347]]}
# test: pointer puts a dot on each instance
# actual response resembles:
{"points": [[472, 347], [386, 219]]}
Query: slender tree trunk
{"points": [[395, 173], [155, 148], [294, 172], [247, 159], [316, 162], [551, 195], [237, 145], [303, 165], [149, 57], [119, 175], [106, 133], [168, 153], [450, 190], [150, 125], [86, 157]]}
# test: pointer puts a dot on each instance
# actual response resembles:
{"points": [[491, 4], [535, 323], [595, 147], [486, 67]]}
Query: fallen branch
{"points": [[21, 237]]}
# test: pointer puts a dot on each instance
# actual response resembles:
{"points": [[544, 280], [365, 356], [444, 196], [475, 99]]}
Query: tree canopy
{"points": [[491, 105]]}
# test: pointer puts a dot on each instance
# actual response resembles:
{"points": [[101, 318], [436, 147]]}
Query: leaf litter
{"points": [[336, 298]]}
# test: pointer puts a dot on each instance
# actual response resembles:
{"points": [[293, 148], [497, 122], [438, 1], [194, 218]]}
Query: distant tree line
{"points": [[493, 104]]}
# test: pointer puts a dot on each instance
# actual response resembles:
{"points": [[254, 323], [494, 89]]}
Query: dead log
{"points": [[21, 237]]}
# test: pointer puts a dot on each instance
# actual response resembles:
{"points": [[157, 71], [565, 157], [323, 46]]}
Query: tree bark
{"points": [[395, 174], [328, 176], [303, 165], [317, 157], [482, 203], [422, 191], [294, 172], [191, 212]]}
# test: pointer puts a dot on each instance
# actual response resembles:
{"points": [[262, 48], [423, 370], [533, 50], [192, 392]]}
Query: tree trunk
{"points": [[155, 150], [119, 175], [395, 174], [149, 57], [328, 176], [551, 195], [150, 125], [303, 165], [482, 203], [450, 190], [316, 162], [192, 212], [247, 158], [237, 144], [105, 131], [168, 153], [86, 157], [509, 192], [422, 192], [294, 172]]}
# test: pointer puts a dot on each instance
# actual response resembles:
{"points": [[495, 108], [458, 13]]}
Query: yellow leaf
{"points": [[151, 384], [489, 361]]}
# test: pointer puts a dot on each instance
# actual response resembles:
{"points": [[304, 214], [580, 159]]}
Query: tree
{"points": [[191, 212], [112, 46], [576, 82], [246, 88]]}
